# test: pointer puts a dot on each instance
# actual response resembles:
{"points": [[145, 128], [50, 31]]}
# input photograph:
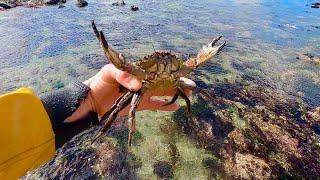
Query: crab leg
{"points": [[173, 100], [184, 96], [122, 103], [132, 113], [113, 107], [116, 58]]}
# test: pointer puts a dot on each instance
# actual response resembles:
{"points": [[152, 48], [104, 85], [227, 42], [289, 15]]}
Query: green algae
{"points": [[261, 48], [164, 140]]}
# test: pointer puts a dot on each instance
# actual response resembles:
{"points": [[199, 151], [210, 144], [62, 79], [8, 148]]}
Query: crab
{"points": [[160, 69]]}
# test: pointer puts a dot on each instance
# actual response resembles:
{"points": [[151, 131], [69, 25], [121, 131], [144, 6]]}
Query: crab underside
{"points": [[157, 70]]}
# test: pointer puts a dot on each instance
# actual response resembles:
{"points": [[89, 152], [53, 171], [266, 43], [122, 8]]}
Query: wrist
{"points": [[87, 106]]}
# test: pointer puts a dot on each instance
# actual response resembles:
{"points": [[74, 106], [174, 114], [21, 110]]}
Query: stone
{"points": [[5, 6], [119, 3], [81, 3], [134, 8], [51, 2], [315, 5]]}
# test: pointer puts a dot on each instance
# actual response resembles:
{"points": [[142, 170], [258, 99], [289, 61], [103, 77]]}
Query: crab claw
{"points": [[206, 53], [116, 58]]}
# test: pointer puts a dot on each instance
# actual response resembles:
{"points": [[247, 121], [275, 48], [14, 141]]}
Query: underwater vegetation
{"points": [[264, 122], [247, 131]]}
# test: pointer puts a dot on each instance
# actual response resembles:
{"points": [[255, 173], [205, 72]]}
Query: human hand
{"points": [[105, 90]]}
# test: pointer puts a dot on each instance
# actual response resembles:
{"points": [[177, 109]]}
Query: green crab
{"points": [[160, 69]]}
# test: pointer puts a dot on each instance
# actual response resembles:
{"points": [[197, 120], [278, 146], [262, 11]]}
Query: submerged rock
{"points": [[81, 3], [256, 133], [309, 58]]}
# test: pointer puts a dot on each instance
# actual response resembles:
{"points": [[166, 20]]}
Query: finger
{"points": [[162, 92], [190, 83], [155, 104], [112, 75]]}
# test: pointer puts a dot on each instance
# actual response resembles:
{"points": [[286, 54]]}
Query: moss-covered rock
{"points": [[244, 132]]}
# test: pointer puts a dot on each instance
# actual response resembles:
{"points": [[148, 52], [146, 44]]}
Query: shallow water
{"points": [[42, 48], [46, 48]]}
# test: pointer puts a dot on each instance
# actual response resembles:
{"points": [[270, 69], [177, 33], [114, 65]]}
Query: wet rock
{"points": [[314, 119], [78, 159], [32, 3], [81, 3], [252, 132], [61, 6], [134, 8], [51, 2], [5, 6], [119, 3], [315, 5], [255, 133], [247, 166]]}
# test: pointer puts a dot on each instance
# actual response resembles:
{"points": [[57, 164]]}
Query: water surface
{"points": [[42, 47]]}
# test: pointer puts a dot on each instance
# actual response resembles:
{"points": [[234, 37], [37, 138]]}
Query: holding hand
{"points": [[105, 90]]}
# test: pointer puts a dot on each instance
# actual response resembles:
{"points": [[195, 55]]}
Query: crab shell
{"points": [[161, 69]]}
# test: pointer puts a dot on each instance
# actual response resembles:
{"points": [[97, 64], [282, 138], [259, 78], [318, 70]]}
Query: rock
{"points": [[134, 8], [51, 2], [79, 159], [119, 3], [252, 132], [81, 3], [255, 133], [246, 166], [5, 6], [315, 5]]}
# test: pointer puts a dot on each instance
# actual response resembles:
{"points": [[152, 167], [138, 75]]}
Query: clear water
{"points": [[48, 47], [42, 48]]}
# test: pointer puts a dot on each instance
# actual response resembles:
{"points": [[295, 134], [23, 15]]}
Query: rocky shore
{"points": [[8, 4], [255, 133]]}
